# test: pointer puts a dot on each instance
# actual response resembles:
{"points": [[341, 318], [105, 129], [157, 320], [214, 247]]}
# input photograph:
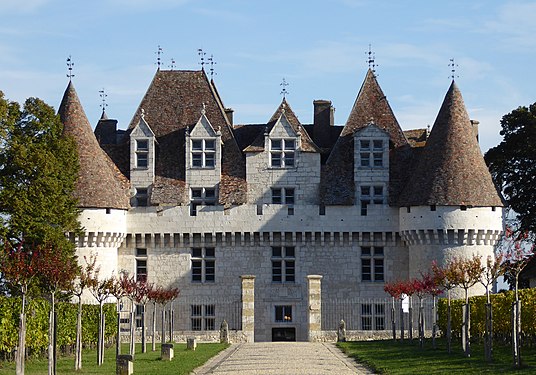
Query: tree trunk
{"points": [[393, 324], [143, 339], [401, 320], [434, 321], [52, 336], [410, 320], [21, 350], [449, 325], [466, 330], [171, 322], [118, 334], [100, 335], [78, 349], [154, 327], [421, 323], [132, 350], [516, 345], [488, 338], [163, 331]]}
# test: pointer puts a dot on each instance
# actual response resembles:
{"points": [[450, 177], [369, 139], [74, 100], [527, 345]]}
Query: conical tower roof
{"points": [[100, 184], [451, 170]]}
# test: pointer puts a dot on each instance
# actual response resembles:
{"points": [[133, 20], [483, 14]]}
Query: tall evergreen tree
{"points": [[38, 171]]}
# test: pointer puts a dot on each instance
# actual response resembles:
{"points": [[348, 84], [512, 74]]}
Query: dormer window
{"points": [[142, 153], [282, 152], [203, 153], [371, 152]]}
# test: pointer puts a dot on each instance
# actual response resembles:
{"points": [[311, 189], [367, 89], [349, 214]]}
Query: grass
{"points": [[184, 361], [389, 357]]}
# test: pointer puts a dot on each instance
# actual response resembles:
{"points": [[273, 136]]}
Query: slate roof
{"points": [[451, 170], [172, 103], [100, 183], [337, 181], [307, 144]]}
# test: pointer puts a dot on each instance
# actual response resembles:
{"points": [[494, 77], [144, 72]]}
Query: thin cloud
{"points": [[17, 6], [148, 4], [514, 25]]}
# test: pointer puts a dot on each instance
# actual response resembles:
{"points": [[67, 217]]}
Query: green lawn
{"points": [[388, 357], [183, 362]]}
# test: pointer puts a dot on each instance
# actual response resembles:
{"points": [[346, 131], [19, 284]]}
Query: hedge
{"points": [[502, 310], [37, 312]]}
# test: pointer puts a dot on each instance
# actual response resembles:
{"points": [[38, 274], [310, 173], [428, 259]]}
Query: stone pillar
{"points": [[314, 288], [248, 307]]}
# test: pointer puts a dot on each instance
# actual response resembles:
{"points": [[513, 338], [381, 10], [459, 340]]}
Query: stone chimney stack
{"points": [[475, 128], [323, 121], [229, 113]]}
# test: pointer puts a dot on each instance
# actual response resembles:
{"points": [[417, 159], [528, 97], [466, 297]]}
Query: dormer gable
{"points": [[142, 130], [371, 147], [203, 128]]}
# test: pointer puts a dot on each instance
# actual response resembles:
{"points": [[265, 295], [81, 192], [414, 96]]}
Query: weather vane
{"points": [[70, 65], [103, 96], [159, 52], [371, 56], [172, 66], [202, 58], [284, 90], [453, 67], [212, 63]]}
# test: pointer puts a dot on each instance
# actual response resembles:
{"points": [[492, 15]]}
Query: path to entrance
{"points": [[280, 358]]}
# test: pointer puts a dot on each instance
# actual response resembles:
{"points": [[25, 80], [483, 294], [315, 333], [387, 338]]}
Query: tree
{"points": [[57, 272], [81, 283], [490, 272], [101, 290], [141, 297], [19, 267], [38, 171], [466, 272], [513, 164], [517, 248], [445, 278]]}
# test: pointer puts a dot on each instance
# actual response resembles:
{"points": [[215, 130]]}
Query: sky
{"points": [[320, 48]]}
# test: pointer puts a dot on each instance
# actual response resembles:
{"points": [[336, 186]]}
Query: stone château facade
{"points": [[277, 218]]}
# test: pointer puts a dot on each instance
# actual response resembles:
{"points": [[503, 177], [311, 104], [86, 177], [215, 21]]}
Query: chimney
{"points": [[229, 113], [105, 131], [475, 123], [322, 123]]}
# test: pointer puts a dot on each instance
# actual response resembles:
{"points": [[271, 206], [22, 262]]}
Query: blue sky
{"points": [[319, 47]]}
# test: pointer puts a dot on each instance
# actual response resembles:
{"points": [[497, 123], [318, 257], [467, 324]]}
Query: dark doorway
{"points": [[284, 334]]}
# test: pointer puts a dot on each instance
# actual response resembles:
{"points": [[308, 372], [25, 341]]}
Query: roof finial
{"points": [[103, 96], [159, 52], [70, 65], [172, 65], [212, 63], [284, 90], [371, 60], [204, 109], [143, 114], [201, 57], [453, 66]]}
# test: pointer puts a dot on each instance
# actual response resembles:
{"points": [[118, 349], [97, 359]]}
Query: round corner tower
{"points": [[450, 207], [101, 189]]}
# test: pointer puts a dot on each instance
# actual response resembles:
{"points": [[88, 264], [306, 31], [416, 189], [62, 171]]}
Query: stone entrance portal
{"points": [[284, 334]]}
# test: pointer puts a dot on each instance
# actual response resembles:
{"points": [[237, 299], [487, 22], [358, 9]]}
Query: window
{"points": [[201, 196], [372, 263], [141, 264], [283, 196], [202, 317], [371, 153], [142, 153], [283, 264], [283, 314], [203, 265], [370, 194], [203, 153], [141, 197], [372, 317], [282, 152]]}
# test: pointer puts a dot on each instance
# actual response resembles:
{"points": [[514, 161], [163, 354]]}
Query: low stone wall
{"points": [[181, 336]]}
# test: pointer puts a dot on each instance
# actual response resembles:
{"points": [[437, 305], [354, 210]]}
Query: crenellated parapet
{"points": [[451, 237]]}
